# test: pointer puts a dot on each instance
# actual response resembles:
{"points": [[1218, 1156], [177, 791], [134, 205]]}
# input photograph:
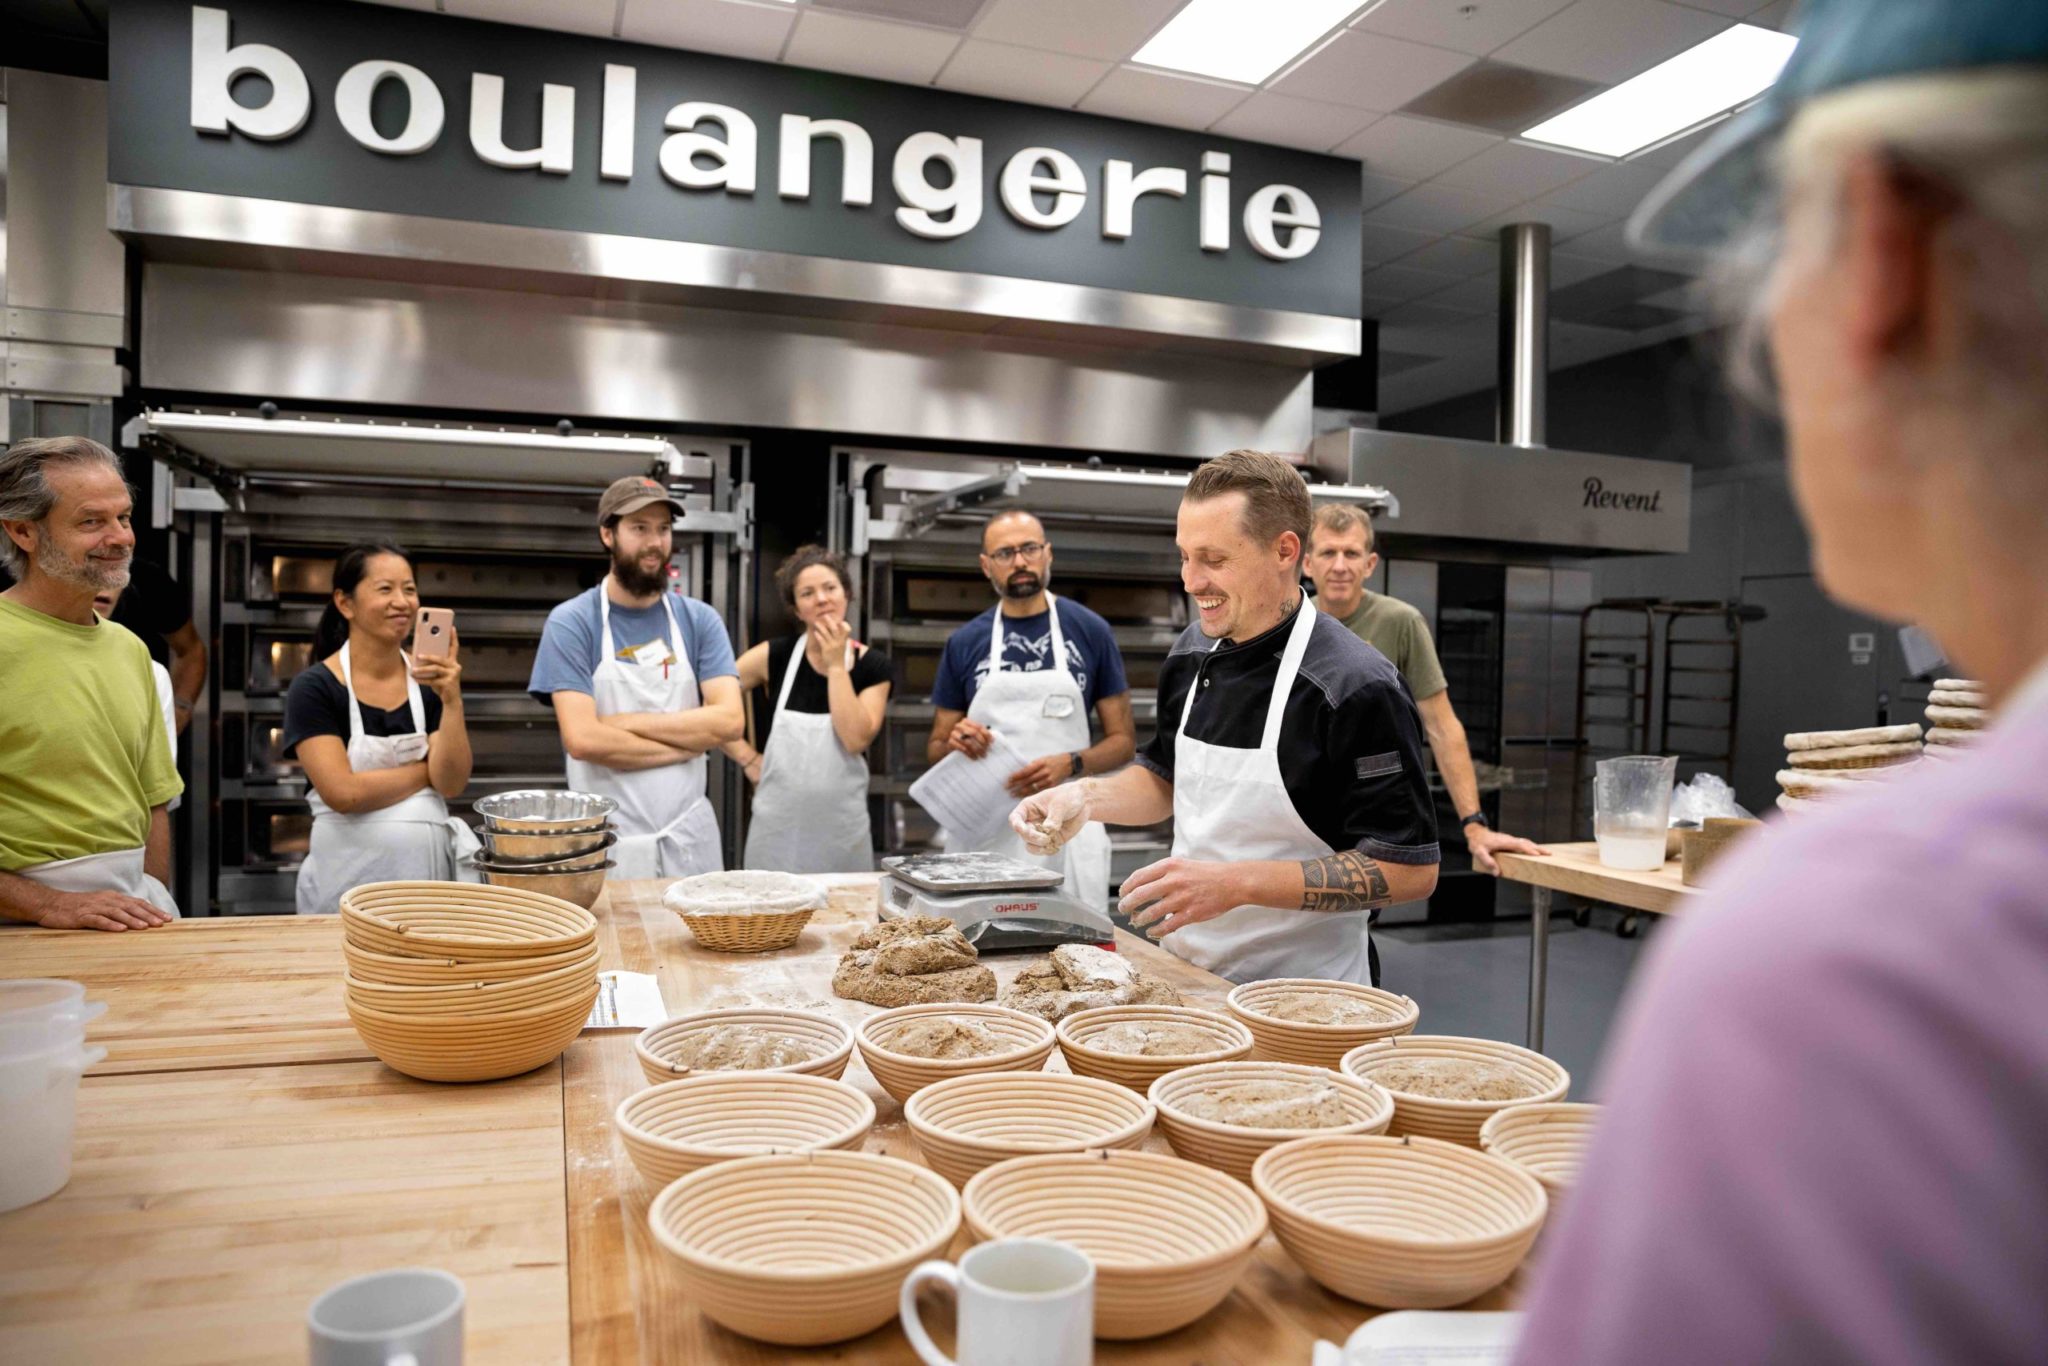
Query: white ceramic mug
{"points": [[411, 1317], [1023, 1302]]}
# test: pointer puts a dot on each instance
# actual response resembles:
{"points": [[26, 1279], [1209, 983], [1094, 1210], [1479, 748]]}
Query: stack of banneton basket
{"points": [[1826, 765], [451, 981], [1956, 716]]}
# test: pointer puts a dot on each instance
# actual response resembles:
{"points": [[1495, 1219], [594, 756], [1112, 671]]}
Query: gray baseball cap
{"points": [[632, 493], [1714, 192]]}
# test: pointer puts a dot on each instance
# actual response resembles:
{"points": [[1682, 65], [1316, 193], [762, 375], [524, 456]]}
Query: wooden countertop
{"points": [[1576, 869], [243, 1156]]}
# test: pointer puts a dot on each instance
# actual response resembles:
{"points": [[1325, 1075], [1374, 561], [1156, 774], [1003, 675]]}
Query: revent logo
{"points": [[1598, 496], [715, 147]]}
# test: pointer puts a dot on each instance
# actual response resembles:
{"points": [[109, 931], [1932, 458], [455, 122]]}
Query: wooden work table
{"points": [[239, 1151]]}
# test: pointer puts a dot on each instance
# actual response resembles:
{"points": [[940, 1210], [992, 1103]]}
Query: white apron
{"points": [[811, 805], [1231, 805], [666, 827], [119, 870], [410, 841], [1041, 713]]}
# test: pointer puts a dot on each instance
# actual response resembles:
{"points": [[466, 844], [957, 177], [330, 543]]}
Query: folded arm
{"points": [[591, 740], [325, 759], [716, 720]]}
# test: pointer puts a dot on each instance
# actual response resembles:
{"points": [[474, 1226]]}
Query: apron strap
{"points": [[1187, 706], [1290, 666], [413, 702], [604, 627], [796, 656], [348, 683]]}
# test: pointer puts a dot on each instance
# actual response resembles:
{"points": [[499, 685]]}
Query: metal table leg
{"points": [[1539, 956]]}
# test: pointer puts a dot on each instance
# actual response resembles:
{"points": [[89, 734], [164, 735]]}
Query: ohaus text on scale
{"points": [[1040, 187]]}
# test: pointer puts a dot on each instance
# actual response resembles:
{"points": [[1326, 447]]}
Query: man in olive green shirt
{"points": [[1340, 559], [84, 840]]}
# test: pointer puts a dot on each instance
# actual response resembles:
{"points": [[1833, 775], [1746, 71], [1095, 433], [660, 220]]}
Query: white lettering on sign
{"points": [[938, 177]]}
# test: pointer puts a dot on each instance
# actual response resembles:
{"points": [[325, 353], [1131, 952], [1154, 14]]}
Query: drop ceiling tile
{"points": [[1374, 190], [731, 28], [1601, 244], [1080, 28], [1368, 71], [1564, 223], [1131, 92], [1478, 294], [1456, 256], [1379, 245], [1667, 154], [1612, 191], [955, 15], [1520, 170], [1417, 314], [1282, 119], [1440, 208], [1777, 16], [1610, 40], [869, 47], [980, 67], [1732, 9], [1474, 28], [1473, 340], [1399, 285], [1566, 271], [567, 16], [1414, 149]]}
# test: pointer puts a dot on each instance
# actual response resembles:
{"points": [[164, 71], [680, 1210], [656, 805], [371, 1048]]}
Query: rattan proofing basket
{"points": [[1232, 1148], [395, 969], [1316, 1045], [1547, 1139], [470, 1048], [1232, 1041], [801, 1249], [1404, 1223], [1169, 1238], [1456, 1121], [963, 1124], [830, 1041], [679, 1126], [461, 920], [1030, 1041], [763, 933]]}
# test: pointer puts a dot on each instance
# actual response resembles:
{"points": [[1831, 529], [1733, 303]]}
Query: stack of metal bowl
{"points": [[552, 842]]}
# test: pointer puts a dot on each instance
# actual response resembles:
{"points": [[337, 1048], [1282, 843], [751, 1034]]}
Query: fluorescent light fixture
{"points": [[1730, 68], [1241, 40]]}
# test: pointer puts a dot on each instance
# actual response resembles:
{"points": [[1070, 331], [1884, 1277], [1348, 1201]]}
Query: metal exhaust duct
{"points": [[1524, 335]]}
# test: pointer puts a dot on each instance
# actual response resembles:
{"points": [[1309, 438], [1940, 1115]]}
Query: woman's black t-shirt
{"points": [[809, 693], [317, 704]]}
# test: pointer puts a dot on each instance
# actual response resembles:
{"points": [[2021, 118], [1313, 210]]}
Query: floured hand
{"points": [[1045, 821]]}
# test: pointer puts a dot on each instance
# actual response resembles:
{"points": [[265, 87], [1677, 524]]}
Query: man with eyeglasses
{"points": [[1032, 667]]}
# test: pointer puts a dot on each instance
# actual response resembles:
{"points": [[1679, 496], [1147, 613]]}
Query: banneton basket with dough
{"points": [[1547, 1139], [1316, 1045], [746, 910], [830, 1042], [801, 1249], [1169, 1238], [963, 1124], [1228, 1041], [1027, 1043], [1403, 1223], [1232, 1148], [1455, 1121], [679, 1126]]}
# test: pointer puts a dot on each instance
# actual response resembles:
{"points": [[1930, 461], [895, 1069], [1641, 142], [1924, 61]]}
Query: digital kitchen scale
{"points": [[998, 902]]}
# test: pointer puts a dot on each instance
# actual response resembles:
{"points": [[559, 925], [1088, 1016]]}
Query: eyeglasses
{"points": [[1009, 554]]}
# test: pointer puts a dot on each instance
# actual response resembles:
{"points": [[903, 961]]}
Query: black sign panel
{"points": [[154, 142]]}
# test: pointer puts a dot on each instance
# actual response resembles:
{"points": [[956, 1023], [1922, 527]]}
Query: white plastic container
{"points": [[38, 1111]]}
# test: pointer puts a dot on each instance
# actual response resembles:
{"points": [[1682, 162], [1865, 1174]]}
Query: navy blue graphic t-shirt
{"points": [[1092, 656]]}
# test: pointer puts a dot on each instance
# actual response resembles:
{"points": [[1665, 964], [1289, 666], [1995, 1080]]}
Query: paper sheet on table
{"points": [[626, 1000], [1417, 1337], [967, 796]]}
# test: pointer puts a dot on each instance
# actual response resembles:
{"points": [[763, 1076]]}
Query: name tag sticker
{"points": [[1058, 706]]}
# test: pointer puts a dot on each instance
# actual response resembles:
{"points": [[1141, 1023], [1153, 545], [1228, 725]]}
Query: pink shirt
{"points": [[1828, 1131]]}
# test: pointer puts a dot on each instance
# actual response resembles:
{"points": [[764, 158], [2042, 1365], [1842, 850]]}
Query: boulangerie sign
{"points": [[368, 107]]}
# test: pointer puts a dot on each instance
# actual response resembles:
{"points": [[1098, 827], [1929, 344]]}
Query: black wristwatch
{"points": [[1078, 767], [1476, 818]]}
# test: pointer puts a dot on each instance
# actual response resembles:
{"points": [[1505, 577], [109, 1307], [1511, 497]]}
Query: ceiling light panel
{"points": [[1730, 68], [1241, 40]]}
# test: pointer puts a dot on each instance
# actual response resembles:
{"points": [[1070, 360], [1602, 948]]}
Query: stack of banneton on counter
{"points": [[450, 981], [1956, 716], [1309, 1110], [1824, 765]]}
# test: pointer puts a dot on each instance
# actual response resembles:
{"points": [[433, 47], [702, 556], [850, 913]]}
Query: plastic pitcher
{"points": [[38, 1109], [1632, 810]]}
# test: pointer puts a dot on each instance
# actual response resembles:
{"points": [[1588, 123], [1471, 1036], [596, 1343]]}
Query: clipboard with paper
{"points": [[967, 796]]}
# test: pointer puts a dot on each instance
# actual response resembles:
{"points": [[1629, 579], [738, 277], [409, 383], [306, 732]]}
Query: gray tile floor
{"points": [[1474, 979]]}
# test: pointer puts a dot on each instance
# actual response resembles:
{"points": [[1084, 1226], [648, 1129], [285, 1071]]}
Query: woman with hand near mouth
{"points": [[383, 753], [810, 771]]}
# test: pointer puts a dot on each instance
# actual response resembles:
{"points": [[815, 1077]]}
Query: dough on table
{"points": [[1452, 1079], [920, 960], [1268, 1103], [1081, 977]]}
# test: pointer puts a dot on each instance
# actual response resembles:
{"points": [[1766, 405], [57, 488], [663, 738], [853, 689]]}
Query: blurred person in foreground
{"points": [[1827, 1136]]}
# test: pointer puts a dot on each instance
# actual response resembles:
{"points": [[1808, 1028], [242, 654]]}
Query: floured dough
{"points": [[1452, 1079], [1323, 1008], [921, 960], [1165, 1039], [1082, 977], [744, 891], [941, 1038], [1278, 1103], [737, 1048]]}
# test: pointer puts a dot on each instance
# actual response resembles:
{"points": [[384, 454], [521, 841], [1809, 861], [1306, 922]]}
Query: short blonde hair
{"points": [[1340, 518]]}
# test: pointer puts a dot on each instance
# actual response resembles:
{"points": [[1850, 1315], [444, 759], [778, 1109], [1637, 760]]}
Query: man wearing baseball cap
{"points": [[643, 685], [1826, 1130]]}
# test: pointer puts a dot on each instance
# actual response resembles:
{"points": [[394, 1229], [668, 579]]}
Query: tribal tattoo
{"points": [[1343, 882]]}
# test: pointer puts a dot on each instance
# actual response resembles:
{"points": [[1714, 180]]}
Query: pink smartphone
{"points": [[433, 633]]}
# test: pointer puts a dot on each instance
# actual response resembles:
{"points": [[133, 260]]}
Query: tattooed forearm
{"points": [[1347, 881]]}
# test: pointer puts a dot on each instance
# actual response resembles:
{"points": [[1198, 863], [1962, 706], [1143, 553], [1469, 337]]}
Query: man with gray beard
{"points": [[84, 839]]}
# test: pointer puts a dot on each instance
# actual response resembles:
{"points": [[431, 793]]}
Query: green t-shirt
{"points": [[1398, 631], [82, 733]]}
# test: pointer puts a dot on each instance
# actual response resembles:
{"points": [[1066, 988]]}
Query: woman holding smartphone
{"points": [[811, 769], [380, 735]]}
